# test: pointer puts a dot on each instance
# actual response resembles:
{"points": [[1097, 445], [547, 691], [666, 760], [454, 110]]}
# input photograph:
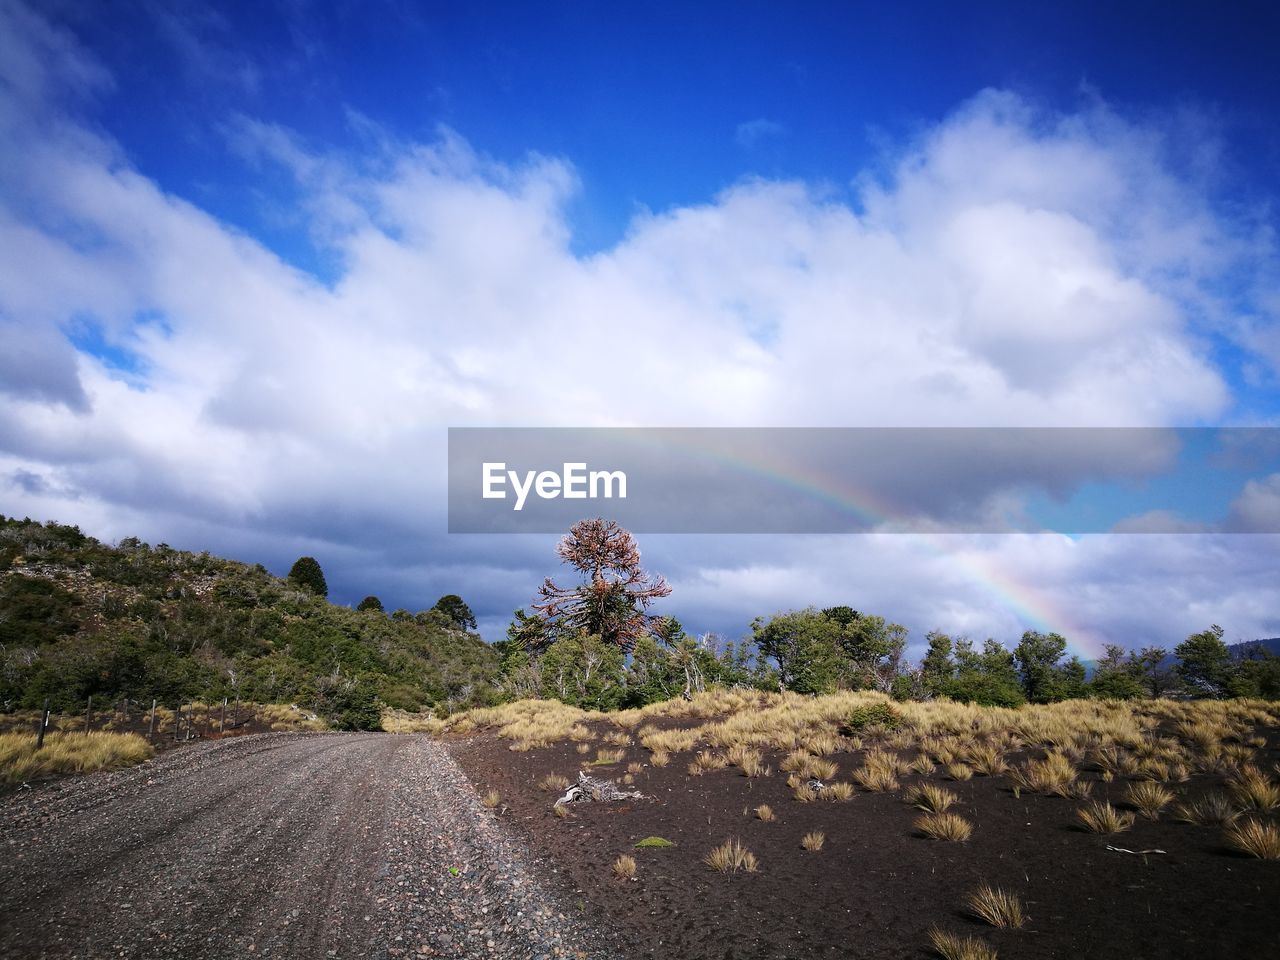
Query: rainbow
{"points": [[1033, 607]]}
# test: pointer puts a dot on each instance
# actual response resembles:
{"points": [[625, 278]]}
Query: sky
{"points": [[256, 258]]}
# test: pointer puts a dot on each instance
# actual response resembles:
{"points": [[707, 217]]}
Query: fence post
{"points": [[151, 734], [88, 712], [222, 726], [44, 723], [235, 719]]}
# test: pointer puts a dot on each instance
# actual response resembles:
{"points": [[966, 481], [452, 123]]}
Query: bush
{"points": [[873, 715], [352, 708]]}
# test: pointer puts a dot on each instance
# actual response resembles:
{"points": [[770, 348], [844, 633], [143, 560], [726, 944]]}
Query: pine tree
{"points": [[306, 573]]}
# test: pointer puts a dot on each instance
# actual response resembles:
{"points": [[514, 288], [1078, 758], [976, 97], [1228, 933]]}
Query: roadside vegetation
{"points": [[63, 753]]}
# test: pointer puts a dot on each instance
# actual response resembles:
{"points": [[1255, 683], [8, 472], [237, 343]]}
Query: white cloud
{"points": [[1011, 268], [751, 132]]}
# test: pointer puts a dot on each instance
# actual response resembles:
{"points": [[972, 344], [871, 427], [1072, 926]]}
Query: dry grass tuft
{"points": [[813, 840], [764, 812], [584, 748], [660, 758], [554, 782], [997, 907], [959, 771], [1254, 837], [931, 798], [951, 946], [804, 793], [560, 810], [491, 799], [944, 826], [1148, 797], [67, 753], [606, 757], [730, 857], [838, 792], [624, 868], [1253, 790], [1101, 817], [1211, 810], [706, 760]]}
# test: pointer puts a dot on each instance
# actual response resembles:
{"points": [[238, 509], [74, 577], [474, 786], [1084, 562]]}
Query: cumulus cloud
{"points": [[1012, 267]]}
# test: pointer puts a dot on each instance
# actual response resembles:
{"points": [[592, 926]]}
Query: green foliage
{"points": [[873, 715], [1205, 663], [456, 610], [36, 611], [306, 573], [654, 843], [1037, 655], [583, 671], [989, 678], [804, 645], [349, 706], [146, 622], [370, 604]]}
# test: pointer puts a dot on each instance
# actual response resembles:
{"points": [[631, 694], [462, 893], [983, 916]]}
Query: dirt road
{"points": [[287, 845]]}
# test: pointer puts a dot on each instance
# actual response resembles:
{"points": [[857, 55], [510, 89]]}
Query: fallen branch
{"points": [[599, 791], [1138, 853]]}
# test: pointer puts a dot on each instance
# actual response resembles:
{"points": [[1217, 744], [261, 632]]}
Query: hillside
{"points": [[79, 618]]}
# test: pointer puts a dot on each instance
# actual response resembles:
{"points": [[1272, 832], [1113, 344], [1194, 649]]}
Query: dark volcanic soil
{"points": [[298, 846], [876, 887]]}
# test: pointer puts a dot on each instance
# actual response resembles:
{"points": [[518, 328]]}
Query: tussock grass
{"points": [[624, 868], [658, 843], [64, 753], [931, 798], [879, 771], [560, 810], [1149, 798], [1102, 817], [491, 799], [804, 793], [813, 840], [1213, 809], [706, 760], [554, 782], [764, 813], [1254, 790], [606, 757], [952, 946], [584, 748], [1256, 838], [838, 792], [998, 907], [944, 826], [730, 857], [659, 759], [959, 771]]}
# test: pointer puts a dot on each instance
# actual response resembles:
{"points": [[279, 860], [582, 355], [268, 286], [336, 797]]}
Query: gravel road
{"points": [[298, 846]]}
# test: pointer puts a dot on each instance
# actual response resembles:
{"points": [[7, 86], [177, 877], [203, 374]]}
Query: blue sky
{"points": [[259, 256]]}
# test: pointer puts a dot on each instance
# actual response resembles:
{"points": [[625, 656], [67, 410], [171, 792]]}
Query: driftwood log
{"points": [[589, 789]]}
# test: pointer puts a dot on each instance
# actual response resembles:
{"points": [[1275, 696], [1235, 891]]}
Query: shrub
{"points": [[813, 840], [1254, 837], [944, 826], [998, 908], [873, 715], [730, 857], [654, 843], [1101, 817]]}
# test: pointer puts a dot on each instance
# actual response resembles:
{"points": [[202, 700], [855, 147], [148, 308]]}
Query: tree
{"points": [[613, 602], [306, 573], [937, 669], [370, 603], [1117, 677], [804, 644], [1038, 655], [989, 678], [453, 607], [1205, 663]]}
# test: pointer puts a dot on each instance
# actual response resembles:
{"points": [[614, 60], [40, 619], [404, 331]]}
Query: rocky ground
{"points": [[281, 845]]}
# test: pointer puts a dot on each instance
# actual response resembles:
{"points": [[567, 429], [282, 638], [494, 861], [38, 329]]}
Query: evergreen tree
{"points": [[370, 603], [1038, 655], [453, 607], [306, 573]]}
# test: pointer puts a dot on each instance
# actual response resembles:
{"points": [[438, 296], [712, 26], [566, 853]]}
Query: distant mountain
{"points": [[79, 618], [1242, 650]]}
